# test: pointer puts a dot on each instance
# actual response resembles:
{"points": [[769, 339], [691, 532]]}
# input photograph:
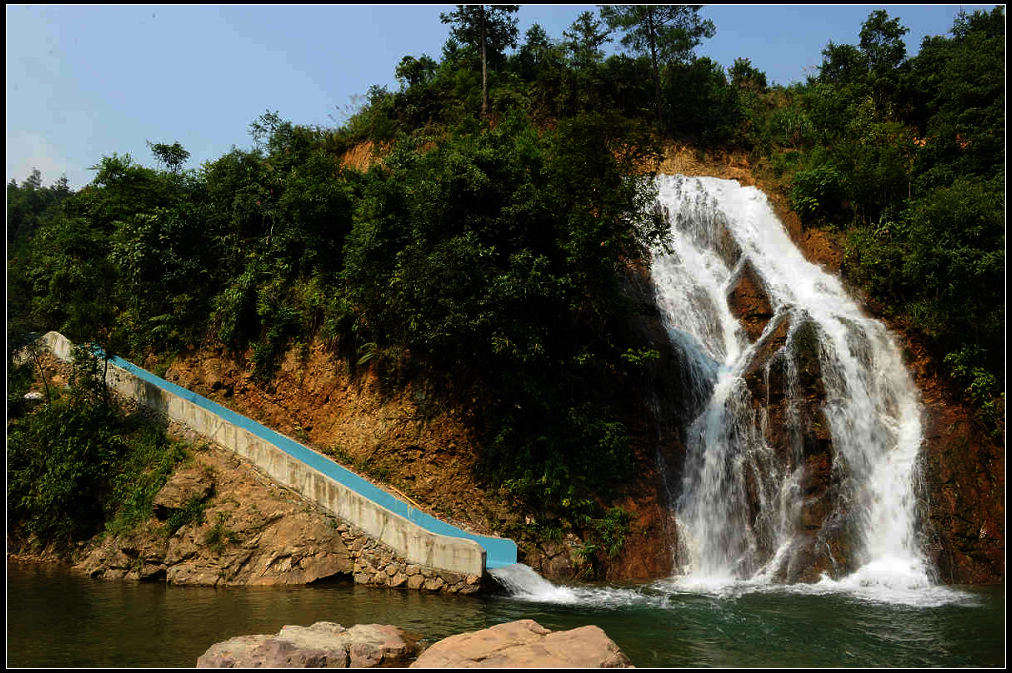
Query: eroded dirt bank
{"points": [[418, 448]]}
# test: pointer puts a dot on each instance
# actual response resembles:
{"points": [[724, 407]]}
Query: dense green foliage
{"points": [[77, 462], [664, 33], [484, 257], [906, 157]]}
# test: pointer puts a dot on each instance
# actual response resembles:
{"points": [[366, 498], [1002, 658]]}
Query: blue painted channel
{"points": [[498, 551]]}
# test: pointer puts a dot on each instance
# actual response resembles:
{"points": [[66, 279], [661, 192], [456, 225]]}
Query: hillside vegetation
{"points": [[487, 253]]}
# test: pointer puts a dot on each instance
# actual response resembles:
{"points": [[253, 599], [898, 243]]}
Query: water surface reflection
{"points": [[59, 619]]}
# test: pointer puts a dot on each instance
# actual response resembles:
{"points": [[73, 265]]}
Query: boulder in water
{"points": [[322, 645], [525, 644]]}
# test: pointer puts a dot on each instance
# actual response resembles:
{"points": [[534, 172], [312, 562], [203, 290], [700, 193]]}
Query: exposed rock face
{"points": [[252, 532], [749, 302], [964, 473], [525, 644], [964, 482], [785, 383], [181, 488], [322, 645]]}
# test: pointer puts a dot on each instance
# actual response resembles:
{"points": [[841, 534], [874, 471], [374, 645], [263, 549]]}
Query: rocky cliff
{"points": [[962, 465]]}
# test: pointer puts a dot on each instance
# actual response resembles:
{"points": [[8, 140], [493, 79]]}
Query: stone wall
{"points": [[375, 564]]}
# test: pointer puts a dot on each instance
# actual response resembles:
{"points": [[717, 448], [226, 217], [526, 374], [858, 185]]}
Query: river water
{"points": [[56, 618]]}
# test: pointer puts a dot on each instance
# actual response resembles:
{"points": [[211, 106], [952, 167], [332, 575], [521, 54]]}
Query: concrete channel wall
{"points": [[417, 536]]}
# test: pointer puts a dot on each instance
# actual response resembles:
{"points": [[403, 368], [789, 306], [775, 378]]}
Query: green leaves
{"points": [[493, 260], [668, 32], [816, 192]]}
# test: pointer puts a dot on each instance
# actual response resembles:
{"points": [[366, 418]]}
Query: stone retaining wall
{"points": [[376, 564]]}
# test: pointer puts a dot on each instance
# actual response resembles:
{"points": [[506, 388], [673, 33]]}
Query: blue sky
{"points": [[84, 82]]}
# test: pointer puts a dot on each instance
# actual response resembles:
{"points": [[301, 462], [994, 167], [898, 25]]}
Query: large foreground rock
{"points": [[322, 645], [525, 644]]}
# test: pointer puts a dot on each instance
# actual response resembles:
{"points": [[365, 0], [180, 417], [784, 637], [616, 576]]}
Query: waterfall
{"points": [[803, 426]]}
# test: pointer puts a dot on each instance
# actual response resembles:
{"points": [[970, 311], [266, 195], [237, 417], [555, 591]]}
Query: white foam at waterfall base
{"points": [[524, 584]]}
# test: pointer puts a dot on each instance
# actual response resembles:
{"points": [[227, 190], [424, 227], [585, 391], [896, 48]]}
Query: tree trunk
{"points": [[484, 71], [657, 71], [33, 349]]}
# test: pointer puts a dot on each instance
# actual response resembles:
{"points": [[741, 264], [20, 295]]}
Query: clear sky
{"points": [[86, 81]]}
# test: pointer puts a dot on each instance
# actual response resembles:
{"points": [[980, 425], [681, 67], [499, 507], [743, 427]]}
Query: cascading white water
{"points": [[740, 501]]}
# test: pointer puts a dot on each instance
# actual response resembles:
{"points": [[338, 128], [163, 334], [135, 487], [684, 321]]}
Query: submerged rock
{"points": [[525, 644]]}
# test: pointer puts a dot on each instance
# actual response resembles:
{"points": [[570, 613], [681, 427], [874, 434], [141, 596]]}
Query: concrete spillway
{"points": [[419, 537]]}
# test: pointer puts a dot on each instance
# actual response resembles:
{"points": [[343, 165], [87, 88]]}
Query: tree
{"points": [[746, 76], [884, 52], [584, 39], [842, 64], [667, 33], [488, 28], [536, 44], [173, 156], [882, 42], [414, 71]]}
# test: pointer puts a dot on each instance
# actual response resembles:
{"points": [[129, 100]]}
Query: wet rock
{"points": [[749, 302], [525, 644], [785, 383], [322, 645], [964, 472], [755, 374], [805, 348]]}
